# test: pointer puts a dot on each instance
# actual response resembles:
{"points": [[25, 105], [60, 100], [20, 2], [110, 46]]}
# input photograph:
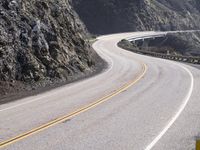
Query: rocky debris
{"points": [[41, 42]]}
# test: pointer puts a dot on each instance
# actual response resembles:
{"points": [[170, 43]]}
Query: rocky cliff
{"points": [[41, 43], [110, 16]]}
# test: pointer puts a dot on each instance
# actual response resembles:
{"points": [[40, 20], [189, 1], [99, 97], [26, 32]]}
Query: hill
{"points": [[111, 16], [42, 43]]}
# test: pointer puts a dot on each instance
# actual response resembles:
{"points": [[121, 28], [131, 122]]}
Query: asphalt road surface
{"points": [[137, 103]]}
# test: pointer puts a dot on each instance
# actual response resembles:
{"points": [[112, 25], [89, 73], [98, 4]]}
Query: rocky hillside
{"points": [[41, 43], [109, 16]]}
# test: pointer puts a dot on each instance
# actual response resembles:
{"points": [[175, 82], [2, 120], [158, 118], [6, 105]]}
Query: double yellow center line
{"points": [[75, 113]]}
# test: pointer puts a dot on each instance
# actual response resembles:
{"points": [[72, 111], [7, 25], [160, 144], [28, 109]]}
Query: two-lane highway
{"points": [[137, 103]]}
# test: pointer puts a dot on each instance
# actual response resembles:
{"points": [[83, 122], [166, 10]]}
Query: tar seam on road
{"points": [[75, 113], [178, 113]]}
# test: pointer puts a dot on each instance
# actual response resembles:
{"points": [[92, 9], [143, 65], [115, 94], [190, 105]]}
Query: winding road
{"points": [[136, 103]]}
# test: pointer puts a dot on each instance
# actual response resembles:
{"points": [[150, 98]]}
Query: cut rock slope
{"points": [[41, 43]]}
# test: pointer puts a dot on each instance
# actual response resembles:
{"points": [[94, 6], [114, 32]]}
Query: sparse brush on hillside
{"points": [[110, 16]]}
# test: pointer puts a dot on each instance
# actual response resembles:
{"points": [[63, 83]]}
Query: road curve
{"points": [[137, 103]]}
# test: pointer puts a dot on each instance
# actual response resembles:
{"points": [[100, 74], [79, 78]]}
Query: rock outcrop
{"points": [[41, 43]]}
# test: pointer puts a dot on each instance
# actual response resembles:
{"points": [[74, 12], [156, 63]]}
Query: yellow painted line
{"points": [[75, 113], [198, 144]]}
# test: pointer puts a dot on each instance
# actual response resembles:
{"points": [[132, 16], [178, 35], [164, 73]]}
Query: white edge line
{"points": [[21, 104], [182, 107], [111, 64]]}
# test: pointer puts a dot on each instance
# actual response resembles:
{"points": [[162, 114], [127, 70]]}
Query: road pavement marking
{"points": [[197, 144], [178, 113], [111, 64], [75, 113]]}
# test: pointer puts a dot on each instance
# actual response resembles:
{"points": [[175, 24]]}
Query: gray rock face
{"points": [[41, 42], [110, 16]]}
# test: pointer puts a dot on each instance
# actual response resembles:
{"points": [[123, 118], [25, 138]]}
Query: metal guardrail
{"points": [[131, 39], [159, 34], [188, 59]]}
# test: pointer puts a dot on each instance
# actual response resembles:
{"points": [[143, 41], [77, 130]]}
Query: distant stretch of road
{"points": [[136, 103]]}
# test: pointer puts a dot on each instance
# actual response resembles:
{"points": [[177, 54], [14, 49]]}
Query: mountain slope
{"points": [[110, 16], [41, 43]]}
